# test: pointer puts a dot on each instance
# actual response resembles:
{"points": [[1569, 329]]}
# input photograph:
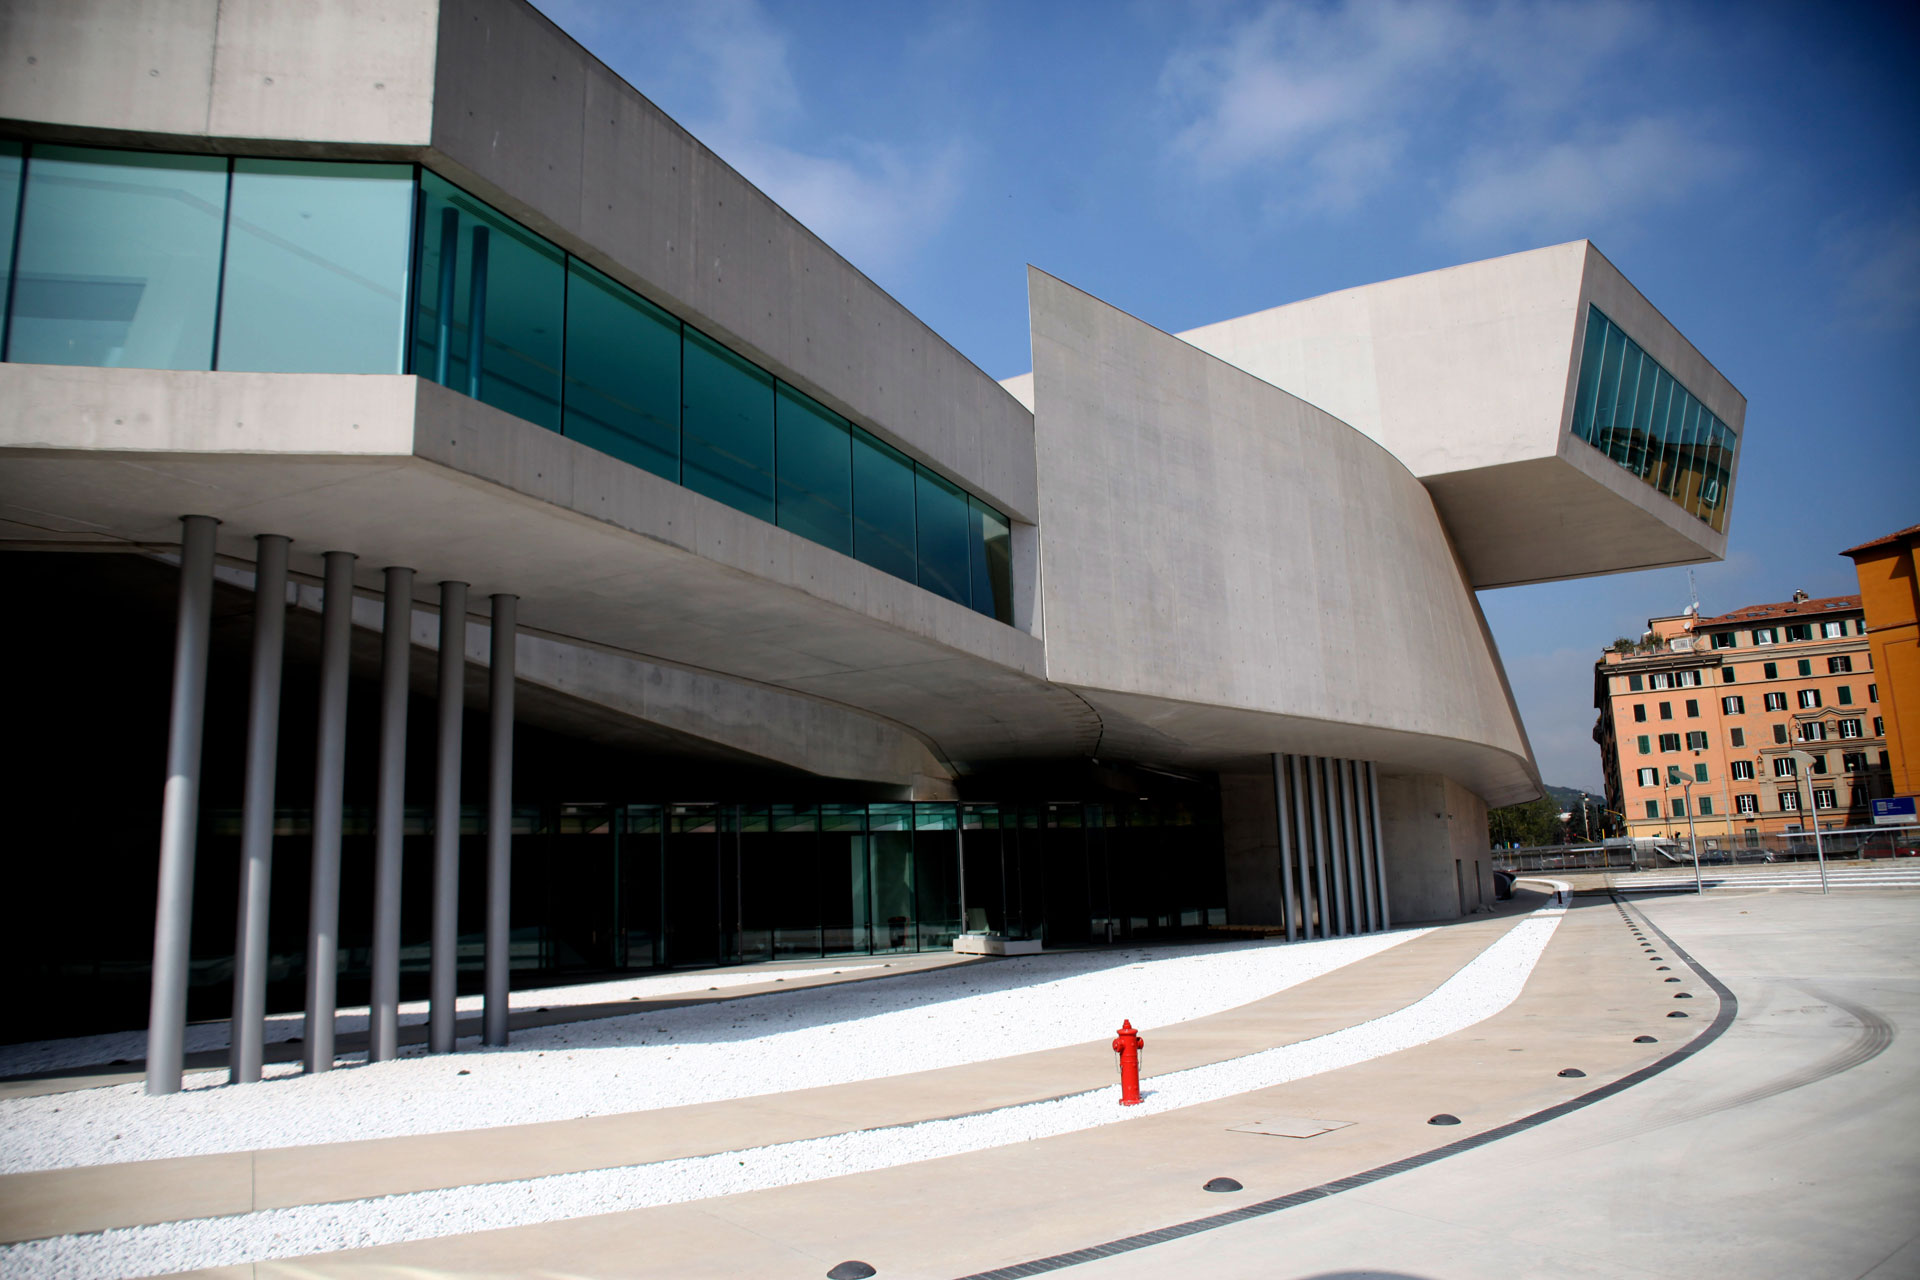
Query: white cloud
{"points": [[1564, 189], [724, 68], [1482, 104]]}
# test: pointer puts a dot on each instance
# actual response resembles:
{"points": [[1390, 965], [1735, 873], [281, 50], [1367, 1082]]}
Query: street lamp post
{"points": [[1803, 763], [1674, 776]]}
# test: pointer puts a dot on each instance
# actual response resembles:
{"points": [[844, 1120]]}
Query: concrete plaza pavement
{"points": [[1789, 1147], [1781, 1148]]}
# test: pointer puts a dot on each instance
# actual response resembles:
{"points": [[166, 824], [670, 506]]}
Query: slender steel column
{"points": [[247, 1032], [1379, 850], [499, 816], [1315, 791], [1308, 901], [1363, 819], [396, 650], [329, 780], [444, 976], [1280, 822], [1356, 905], [1336, 854], [477, 311], [180, 809]]}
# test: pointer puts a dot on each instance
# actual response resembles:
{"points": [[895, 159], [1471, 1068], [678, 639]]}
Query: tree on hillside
{"points": [[1533, 823]]}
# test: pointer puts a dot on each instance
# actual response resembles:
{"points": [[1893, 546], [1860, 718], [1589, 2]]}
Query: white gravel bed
{"points": [[205, 1037], [775, 1043], [1483, 987]]}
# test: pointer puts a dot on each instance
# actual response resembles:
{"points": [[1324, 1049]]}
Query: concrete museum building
{"points": [[778, 628]]}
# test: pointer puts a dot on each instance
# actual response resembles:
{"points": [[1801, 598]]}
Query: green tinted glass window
{"points": [[814, 463], [10, 173], [942, 523], [491, 288], [1620, 441], [119, 259], [1610, 362], [1590, 359], [883, 507], [1630, 408], [727, 427], [317, 261], [623, 373], [990, 545]]}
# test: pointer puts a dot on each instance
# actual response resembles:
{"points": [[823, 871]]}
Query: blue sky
{"points": [[1753, 168]]}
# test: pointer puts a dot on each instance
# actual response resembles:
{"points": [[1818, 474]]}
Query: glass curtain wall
{"points": [[1631, 409], [146, 260], [306, 288], [118, 262], [641, 886], [10, 173]]}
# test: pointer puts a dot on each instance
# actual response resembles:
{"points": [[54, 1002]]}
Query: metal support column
{"points": [[1336, 859], [247, 1032], [1280, 816], [1350, 847], [180, 809], [1308, 900], [1363, 821], [329, 781], [444, 966], [499, 817], [1379, 849], [1315, 794], [396, 651]]}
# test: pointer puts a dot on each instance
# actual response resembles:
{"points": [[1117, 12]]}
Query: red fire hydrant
{"points": [[1127, 1046]]}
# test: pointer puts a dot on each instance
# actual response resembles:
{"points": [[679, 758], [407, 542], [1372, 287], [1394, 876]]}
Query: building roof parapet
{"points": [[1801, 607], [1908, 534]]}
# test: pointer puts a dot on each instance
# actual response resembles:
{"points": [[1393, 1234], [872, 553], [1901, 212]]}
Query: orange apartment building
{"points": [[1726, 700], [1890, 593]]}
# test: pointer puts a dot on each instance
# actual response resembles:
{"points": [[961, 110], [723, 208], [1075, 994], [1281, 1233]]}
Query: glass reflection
{"points": [[316, 270], [119, 259], [727, 427], [1631, 409], [623, 373]]}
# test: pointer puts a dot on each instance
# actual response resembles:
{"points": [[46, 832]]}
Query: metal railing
{"points": [[1845, 844]]}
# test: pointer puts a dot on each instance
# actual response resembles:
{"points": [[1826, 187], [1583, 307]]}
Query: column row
{"points": [[179, 820], [1332, 872]]}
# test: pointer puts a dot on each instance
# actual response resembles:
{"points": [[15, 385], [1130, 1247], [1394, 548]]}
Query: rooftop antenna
{"points": [[1693, 597]]}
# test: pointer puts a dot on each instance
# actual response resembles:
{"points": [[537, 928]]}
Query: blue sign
{"points": [[1897, 811]]}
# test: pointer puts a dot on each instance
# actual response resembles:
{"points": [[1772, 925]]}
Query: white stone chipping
{"points": [[205, 1037], [1482, 988], [730, 1049]]}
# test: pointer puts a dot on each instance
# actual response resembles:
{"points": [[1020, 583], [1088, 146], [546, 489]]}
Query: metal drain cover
{"points": [[1290, 1127]]}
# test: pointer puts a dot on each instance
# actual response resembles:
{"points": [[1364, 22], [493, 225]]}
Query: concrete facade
{"points": [[1467, 376], [1256, 542]]}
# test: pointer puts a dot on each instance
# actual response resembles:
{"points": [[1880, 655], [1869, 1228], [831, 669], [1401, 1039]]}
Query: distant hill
{"points": [[1568, 798]]}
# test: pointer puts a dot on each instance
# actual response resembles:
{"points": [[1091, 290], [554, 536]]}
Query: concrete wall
{"points": [[532, 121], [294, 71], [400, 471], [1431, 825], [494, 96], [1217, 544], [1468, 375]]}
